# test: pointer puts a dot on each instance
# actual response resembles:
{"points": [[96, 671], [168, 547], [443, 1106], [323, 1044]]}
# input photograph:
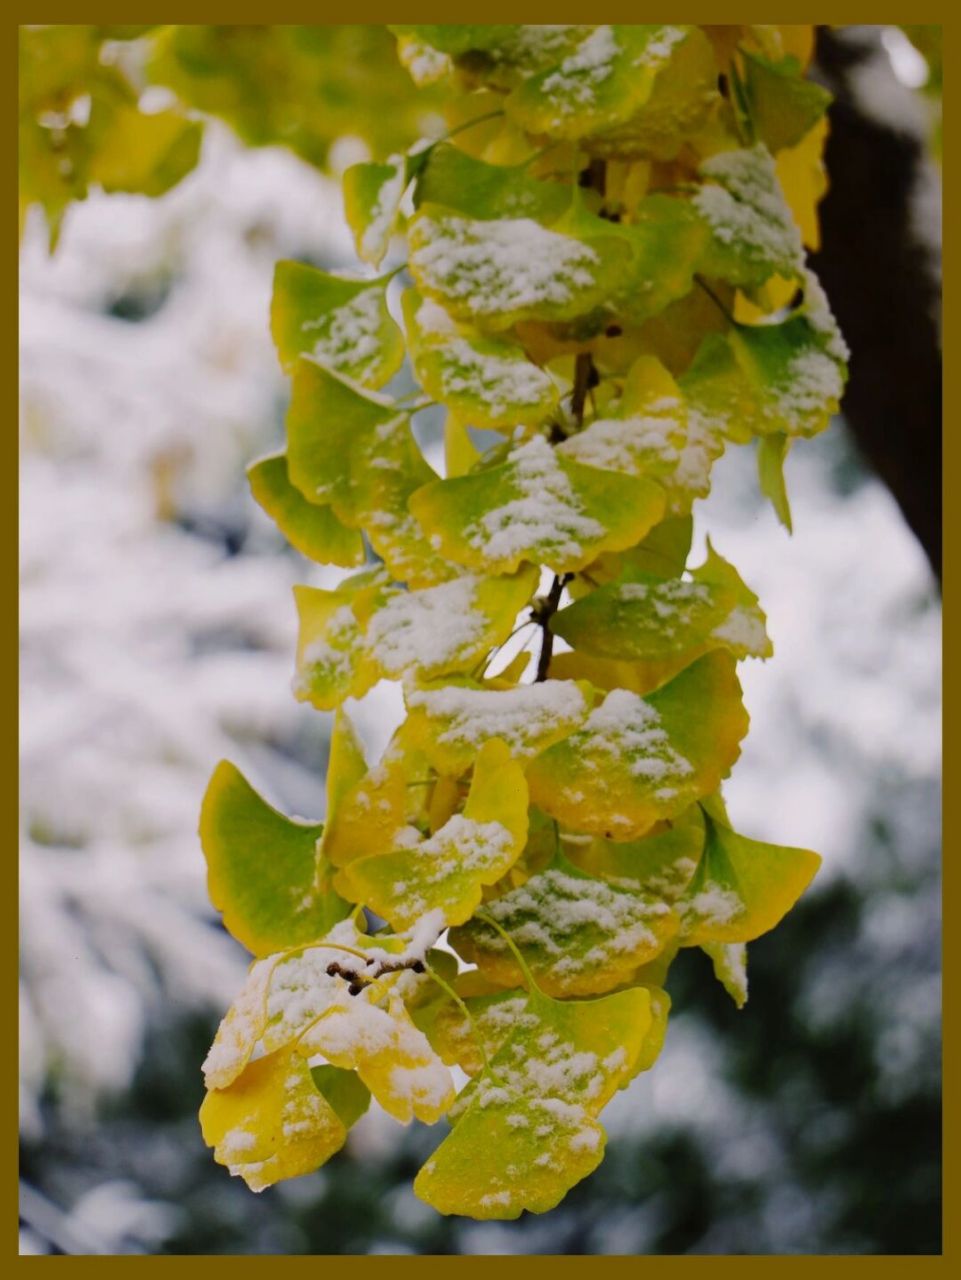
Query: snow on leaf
{"points": [[525, 1130], [445, 872], [333, 660], [729, 960], [579, 935], [372, 195], [451, 723], [502, 270], [742, 888], [639, 760], [450, 627], [489, 382], [753, 235], [263, 872], [272, 1122], [341, 324], [313, 529], [536, 506], [660, 864]]}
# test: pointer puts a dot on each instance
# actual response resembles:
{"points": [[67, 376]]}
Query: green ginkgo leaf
{"points": [[445, 872], [464, 184], [263, 870], [783, 104], [489, 382], [538, 506], [612, 93], [355, 451], [668, 240], [772, 453], [742, 888], [638, 760], [729, 960], [525, 1129], [146, 153], [313, 529], [661, 625], [341, 324], [578, 934], [502, 270]]}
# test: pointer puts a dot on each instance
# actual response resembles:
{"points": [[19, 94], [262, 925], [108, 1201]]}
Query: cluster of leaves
{"points": [[85, 122], [607, 270]]}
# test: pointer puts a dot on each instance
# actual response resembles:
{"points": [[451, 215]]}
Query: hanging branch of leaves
{"points": [[540, 843]]}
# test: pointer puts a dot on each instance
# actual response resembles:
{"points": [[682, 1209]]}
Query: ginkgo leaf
{"points": [[753, 235], [639, 760], [464, 184], [771, 454], [139, 151], [314, 530], [272, 1122], [502, 270], [425, 64], [489, 382], [742, 888], [449, 627], [661, 864], [525, 1129], [333, 659], [661, 625], [536, 506], [450, 723], [262, 868], [460, 452], [579, 935], [374, 807], [803, 179], [612, 93], [643, 433], [346, 765], [372, 195], [783, 104], [446, 871], [668, 240], [341, 324], [355, 451]]}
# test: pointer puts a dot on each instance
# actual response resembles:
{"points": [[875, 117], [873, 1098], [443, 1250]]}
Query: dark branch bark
{"points": [[877, 274]]}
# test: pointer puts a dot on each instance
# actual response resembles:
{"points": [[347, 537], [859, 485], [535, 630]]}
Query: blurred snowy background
{"points": [[158, 630]]}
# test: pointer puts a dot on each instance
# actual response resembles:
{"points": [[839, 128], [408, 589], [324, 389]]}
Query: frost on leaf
{"points": [[490, 382], [525, 1128], [536, 506], [263, 870], [451, 723], [579, 935], [742, 888], [639, 760], [444, 872], [341, 324]]}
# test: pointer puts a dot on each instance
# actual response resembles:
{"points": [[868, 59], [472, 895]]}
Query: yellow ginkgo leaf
{"points": [[333, 659], [272, 1122], [451, 722], [525, 1129], [639, 760], [660, 864], [578, 934], [445, 872]]}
